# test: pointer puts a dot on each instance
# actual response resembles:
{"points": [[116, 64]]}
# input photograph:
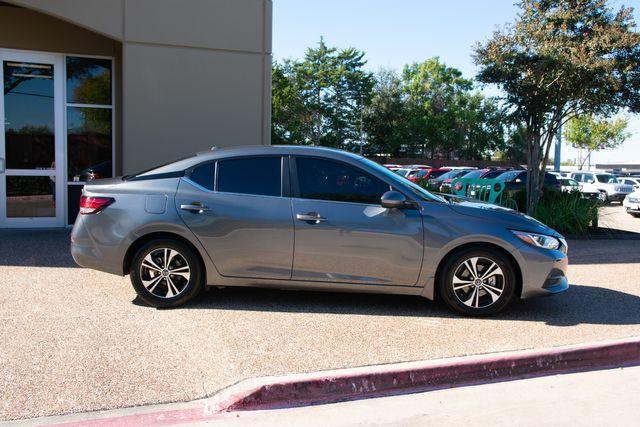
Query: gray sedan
{"points": [[309, 218]]}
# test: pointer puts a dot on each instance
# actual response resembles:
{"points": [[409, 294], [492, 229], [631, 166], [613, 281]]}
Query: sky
{"points": [[397, 32]]}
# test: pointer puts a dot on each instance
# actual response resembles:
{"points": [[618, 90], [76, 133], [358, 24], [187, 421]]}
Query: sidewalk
{"points": [[597, 398]]}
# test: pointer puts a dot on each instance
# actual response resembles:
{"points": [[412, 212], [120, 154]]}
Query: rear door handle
{"points": [[194, 208], [311, 217]]}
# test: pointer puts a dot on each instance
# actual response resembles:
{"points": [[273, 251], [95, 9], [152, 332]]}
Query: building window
{"points": [[89, 118]]}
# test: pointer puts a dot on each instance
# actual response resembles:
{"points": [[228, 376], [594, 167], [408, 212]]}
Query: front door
{"points": [[342, 234], [31, 145]]}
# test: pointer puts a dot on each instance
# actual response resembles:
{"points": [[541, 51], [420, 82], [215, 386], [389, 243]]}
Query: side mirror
{"points": [[393, 200]]}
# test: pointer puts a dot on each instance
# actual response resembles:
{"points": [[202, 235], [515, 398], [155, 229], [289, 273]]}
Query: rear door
{"points": [[237, 209], [342, 234]]}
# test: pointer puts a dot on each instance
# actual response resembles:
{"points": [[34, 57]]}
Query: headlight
{"points": [[539, 240]]}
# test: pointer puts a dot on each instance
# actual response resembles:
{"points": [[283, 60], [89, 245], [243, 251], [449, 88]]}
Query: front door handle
{"points": [[194, 207], [311, 217]]}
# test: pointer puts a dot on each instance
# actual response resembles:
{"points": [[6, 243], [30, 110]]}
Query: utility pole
{"points": [[361, 125], [556, 156]]}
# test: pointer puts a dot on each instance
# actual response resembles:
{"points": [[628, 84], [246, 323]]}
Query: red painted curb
{"points": [[383, 380], [328, 387]]}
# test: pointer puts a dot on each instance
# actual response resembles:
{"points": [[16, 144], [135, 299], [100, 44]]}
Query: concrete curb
{"points": [[371, 381]]}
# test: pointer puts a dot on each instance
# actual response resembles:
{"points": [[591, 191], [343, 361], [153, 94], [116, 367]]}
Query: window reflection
{"points": [[30, 196], [89, 143], [88, 81], [29, 115]]}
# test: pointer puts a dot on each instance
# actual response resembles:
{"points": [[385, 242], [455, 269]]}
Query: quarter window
{"points": [[327, 180], [253, 175], [203, 175]]}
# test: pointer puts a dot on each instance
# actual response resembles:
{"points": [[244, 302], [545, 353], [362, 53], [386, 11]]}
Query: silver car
{"points": [[309, 218]]}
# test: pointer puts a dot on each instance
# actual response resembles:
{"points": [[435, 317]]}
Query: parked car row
{"points": [[593, 185]]}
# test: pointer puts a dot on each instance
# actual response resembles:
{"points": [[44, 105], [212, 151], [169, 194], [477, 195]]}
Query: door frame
{"points": [[57, 60]]}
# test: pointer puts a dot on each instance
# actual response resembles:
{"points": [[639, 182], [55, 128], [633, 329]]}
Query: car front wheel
{"points": [[166, 273], [478, 282]]}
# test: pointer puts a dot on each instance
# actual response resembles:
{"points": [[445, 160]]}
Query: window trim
{"points": [[295, 182]]}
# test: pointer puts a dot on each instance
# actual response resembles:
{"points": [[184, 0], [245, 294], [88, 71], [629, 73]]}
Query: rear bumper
{"points": [[86, 253]]}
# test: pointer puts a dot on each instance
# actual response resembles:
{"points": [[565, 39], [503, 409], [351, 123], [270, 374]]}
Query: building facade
{"points": [[100, 88]]}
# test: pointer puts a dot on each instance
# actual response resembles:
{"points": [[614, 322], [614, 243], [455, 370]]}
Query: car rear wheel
{"points": [[166, 273], [478, 282]]}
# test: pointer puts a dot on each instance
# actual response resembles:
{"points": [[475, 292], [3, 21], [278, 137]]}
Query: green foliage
{"points": [[385, 119], [562, 58], [567, 213], [593, 134], [428, 110], [319, 100]]}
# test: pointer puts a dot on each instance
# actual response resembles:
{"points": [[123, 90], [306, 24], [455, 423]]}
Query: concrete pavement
{"points": [[77, 340], [609, 397]]}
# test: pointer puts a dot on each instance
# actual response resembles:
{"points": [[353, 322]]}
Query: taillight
{"points": [[91, 205], [458, 186]]}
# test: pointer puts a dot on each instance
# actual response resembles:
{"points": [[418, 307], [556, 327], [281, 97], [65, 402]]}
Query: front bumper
{"points": [[631, 207], [617, 197], [544, 272]]}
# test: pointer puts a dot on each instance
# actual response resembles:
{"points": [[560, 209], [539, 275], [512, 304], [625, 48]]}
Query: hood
{"points": [[508, 217]]}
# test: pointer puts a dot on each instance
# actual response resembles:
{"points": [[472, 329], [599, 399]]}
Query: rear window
{"points": [[436, 174], [260, 176], [493, 174]]}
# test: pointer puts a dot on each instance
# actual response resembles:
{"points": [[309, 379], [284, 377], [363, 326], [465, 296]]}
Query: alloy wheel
{"points": [[165, 272], [478, 282]]}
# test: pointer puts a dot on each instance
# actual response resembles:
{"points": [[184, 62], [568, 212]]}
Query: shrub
{"points": [[568, 213]]}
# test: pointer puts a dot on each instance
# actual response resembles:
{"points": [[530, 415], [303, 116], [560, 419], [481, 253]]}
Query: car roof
{"points": [[250, 150]]}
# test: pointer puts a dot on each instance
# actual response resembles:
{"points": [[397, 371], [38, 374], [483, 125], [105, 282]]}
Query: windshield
{"points": [[417, 191], [508, 176], [607, 179]]}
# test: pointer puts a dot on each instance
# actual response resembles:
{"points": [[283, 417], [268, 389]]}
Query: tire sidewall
{"points": [[445, 286], [195, 280]]}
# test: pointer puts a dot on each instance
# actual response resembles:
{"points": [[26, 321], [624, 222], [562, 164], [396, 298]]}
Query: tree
{"points": [[386, 117], [290, 122], [433, 95], [561, 58], [481, 127], [319, 100], [593, 134]]}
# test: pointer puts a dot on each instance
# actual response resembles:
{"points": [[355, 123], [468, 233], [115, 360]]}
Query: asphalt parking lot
{"points": [[76, 340]]}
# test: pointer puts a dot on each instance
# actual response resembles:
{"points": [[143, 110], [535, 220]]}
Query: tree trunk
{"points": [[533, 172]]}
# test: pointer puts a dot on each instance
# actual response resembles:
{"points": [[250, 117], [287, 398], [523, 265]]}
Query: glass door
{"points": [[31, 144]]}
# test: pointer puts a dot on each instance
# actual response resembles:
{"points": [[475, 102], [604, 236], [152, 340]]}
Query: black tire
{"points": [[488, 300], [163, 288], [603, 197]]}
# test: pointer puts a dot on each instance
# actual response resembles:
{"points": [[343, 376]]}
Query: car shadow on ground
{"points": [[581, 304], [36, 248]]}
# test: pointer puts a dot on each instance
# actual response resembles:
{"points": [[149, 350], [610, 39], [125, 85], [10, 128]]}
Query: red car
{"points": [[427, 174]]}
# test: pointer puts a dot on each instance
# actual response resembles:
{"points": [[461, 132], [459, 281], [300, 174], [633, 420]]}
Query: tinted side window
{"points": [[251, 175], [204, 175], [328, 180]]}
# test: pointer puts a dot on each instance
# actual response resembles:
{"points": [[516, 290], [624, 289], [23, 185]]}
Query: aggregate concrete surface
{"points": [[78, 340]]}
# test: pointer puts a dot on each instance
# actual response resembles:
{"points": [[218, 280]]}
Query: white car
{"points": [[630, 180], [632, 203], [605, 184]]}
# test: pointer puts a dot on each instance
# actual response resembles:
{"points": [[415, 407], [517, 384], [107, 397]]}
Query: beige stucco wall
{"points": [[195, 73]]}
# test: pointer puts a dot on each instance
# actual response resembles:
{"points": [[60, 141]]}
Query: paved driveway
{"points": [[76, 340]]}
